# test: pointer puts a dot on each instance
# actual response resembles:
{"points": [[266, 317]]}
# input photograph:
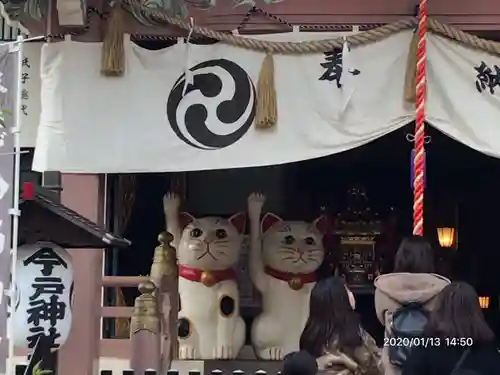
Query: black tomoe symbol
{"points": [[217, 109]]}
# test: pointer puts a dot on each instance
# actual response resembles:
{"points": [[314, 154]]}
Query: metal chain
{"points": [[337, 27], [255, 10], [245, 19], [379, 31], [273, 17], [195, 39], [94, 13]]}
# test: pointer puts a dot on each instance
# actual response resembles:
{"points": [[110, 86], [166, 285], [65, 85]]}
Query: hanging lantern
{"points": [[41, 301], [484, 302], [446, 236]]}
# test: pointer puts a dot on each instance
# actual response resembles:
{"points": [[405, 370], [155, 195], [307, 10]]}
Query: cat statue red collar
{"points": [[208, 249], [295, 280], [207, 278], [283, 259]]}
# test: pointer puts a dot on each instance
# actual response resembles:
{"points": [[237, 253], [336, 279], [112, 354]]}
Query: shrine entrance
{"points": [[366, 194]]}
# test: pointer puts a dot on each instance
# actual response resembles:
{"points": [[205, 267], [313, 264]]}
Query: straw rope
{"points": [[160, 17], [467, 39], [266, 113], [266, 95], [113, 51]]}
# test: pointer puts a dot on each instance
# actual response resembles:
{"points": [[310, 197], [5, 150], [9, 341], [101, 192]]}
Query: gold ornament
{"points": [[146, 315], [207, 279], [295, 283]]}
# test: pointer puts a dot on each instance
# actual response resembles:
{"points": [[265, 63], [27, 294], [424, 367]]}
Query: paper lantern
{"points": [[446, 236], [484, 302], [42, 297]]}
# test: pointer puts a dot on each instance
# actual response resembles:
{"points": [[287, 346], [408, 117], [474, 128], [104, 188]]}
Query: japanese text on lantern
{"points": [[45, 305], [25, 77], [333, 67], [487, 78]]}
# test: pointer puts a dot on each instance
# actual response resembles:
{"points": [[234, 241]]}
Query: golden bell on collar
{"points": [[295, 283], [207, 279]]}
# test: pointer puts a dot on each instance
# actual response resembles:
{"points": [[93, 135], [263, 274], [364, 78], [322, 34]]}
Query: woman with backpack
{"points": [[404, 298], [333, 333], [462, 341]]}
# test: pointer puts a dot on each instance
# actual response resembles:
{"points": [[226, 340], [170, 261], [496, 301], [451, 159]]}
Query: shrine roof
{"points": [[45, 219]]}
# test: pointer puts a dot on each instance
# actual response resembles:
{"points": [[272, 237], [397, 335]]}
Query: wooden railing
{"points": [[154, 315], [120, 282], [110, 347], [116, 347]]}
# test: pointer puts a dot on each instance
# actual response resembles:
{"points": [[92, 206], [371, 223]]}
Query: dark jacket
{"points": [[365, 360], [483, 359]]}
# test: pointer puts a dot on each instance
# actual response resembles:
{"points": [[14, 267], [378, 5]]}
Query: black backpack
{"points": [[408, 322]]}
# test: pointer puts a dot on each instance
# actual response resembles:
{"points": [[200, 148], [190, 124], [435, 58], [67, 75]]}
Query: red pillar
{"points": [[80, 354]]}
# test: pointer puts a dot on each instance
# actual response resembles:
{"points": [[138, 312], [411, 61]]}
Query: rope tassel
{"points": [[266, 115], [113, 51], [410, 94]]}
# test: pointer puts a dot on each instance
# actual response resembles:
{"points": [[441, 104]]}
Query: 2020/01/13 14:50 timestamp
{"points": [[459, 342], [428, 342]]}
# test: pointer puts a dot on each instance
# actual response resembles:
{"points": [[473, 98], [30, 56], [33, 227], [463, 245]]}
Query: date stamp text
{"points": [[406, 342], [428, 342]]}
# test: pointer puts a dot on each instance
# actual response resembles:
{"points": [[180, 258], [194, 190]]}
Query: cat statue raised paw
{"points": [[208, 249], [283, 260]]}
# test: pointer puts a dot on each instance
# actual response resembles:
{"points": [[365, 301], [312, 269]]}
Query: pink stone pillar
{"points": [[145, 331], [146, 352], [80, 354]]}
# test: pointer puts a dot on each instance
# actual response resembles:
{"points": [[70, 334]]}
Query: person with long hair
{"points": [[333, 333], [406, 293], [458, 339]]}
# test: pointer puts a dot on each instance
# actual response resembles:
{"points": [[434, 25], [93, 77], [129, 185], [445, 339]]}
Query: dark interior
{"points": [[458, 179]]}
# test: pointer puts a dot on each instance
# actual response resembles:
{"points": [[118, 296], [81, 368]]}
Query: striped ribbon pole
{"points": [[418, 160]]}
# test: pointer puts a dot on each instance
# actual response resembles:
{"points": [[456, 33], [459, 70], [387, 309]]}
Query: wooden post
{"points": [[145, 331], [164, 274]]}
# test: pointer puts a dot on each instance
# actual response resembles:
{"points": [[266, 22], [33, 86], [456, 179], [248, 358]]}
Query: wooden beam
{"points": [[123, 281], [468, 16], [72, 12], [479, 16], [117, 311]]}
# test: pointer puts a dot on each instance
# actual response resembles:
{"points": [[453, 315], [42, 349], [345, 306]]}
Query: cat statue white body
{"points": [[208, 249], [284, 257]]}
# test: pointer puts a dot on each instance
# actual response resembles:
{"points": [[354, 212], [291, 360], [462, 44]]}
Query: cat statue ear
{"points": [[185, 219], [239, 221], [268, 221], [322, 224]]}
